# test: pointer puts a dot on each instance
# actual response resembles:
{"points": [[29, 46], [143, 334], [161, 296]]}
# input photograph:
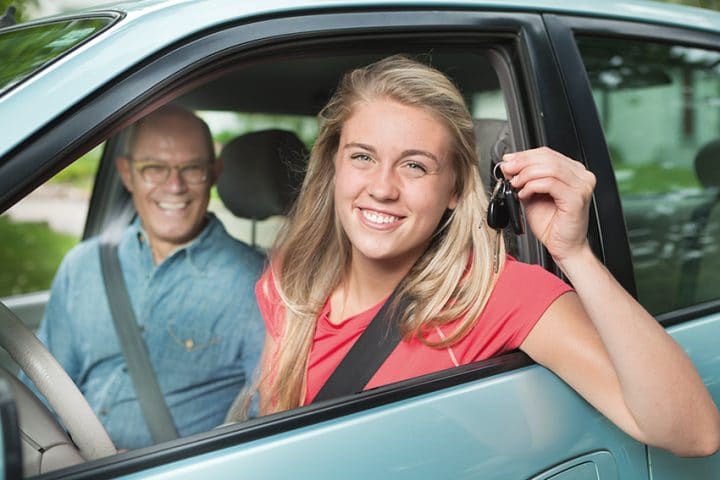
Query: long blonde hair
{"points": [[451, 280]]}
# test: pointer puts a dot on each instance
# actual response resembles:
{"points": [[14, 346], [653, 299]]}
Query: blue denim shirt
{"points": [[198, 316]]}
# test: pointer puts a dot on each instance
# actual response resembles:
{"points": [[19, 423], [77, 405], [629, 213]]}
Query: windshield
{"points": [[25, 50]]}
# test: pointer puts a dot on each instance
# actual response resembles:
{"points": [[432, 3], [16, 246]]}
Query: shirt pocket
{"points": [[194, 353]]}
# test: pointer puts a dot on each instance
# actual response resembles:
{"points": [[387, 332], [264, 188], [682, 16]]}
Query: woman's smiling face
{"points": [[394, 179]]}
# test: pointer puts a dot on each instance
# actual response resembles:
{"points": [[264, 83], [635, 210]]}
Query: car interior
{"points": [[263, 165]]}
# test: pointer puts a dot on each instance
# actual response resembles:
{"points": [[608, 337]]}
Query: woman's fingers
{"points": [[543, 170]]}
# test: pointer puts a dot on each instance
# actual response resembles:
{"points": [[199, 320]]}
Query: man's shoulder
{"points": [[81, 262], [83, 252]]}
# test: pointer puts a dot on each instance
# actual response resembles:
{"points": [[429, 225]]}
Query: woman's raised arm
{"points": [[600, 340]]}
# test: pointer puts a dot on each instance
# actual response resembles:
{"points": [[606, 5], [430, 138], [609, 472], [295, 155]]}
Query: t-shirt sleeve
{"points": [[270, 303], [528, 290]]}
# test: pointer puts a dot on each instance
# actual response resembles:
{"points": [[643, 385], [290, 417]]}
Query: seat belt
{"points": [[367, 354], [152, 403]]}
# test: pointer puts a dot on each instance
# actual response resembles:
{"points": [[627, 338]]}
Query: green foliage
{"points": [[709, 4], [22, 7], [654, 178], [81, 172], [305, 127], [30, 255], [26, 50]]}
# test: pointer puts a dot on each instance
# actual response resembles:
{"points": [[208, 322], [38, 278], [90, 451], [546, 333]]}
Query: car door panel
{"points": [[699, 338], [521, 424]]}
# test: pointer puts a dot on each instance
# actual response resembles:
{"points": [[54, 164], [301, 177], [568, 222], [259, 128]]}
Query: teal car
{"points": [[629, 88]]}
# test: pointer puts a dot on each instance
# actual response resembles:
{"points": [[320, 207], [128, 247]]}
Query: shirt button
{"points": [[103, 411]]}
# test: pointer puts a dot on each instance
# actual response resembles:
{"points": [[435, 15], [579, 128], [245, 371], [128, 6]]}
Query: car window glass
{"points": [[660, 109], [27, 49]]}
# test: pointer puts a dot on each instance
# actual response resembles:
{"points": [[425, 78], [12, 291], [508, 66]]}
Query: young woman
{"points": [[393, 198]]}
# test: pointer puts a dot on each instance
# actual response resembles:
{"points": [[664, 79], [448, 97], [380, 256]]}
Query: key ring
{"points": [[495, 174]]}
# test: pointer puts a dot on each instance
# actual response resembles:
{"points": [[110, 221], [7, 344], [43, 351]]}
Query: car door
{"points": [[503, 418], [654, 94]]}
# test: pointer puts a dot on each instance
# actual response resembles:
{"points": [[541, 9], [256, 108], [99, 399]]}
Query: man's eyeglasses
{"points": [[156, 173]]}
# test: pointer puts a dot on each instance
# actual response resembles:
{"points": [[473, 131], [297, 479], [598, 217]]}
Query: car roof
{"points": [[217, 11], [147, 26]]}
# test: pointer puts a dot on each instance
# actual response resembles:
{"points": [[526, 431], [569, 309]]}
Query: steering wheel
{"points": [[89, 435]]}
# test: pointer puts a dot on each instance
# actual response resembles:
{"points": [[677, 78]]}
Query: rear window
{"points": [[25, 50]]}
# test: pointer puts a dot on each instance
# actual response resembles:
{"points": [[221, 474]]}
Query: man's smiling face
{"points": [[172, 211]]}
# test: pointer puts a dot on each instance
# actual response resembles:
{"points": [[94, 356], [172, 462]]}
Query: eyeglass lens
{"points": [[157, 173]]}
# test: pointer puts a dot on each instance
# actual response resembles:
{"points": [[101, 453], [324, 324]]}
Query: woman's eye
{"points": [[361, 156], [361, 160], [416, 168]]}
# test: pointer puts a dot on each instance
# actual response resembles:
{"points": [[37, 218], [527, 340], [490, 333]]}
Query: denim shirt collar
{"points": [[198, 251]]}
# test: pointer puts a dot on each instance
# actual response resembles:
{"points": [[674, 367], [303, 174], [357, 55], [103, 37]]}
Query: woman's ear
{"points": [[453, 202]]}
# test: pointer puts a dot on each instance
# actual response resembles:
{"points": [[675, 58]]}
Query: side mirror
{"points": [[11, 461]]}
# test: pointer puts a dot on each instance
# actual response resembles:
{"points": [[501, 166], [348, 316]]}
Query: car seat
{"points": [[262, 174]]}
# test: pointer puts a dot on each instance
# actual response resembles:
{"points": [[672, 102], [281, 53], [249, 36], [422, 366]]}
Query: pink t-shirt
{"points": [[521, 295]]}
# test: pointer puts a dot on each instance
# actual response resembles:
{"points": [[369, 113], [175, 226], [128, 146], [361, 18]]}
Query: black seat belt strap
{"points": [[151, 400], [367, 354]]}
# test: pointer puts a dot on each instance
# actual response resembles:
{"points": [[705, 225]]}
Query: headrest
{"points": [[492, 137], [707, 164], [262, 173]]}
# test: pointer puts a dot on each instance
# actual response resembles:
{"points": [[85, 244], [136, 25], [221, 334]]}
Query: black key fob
{"points": [[498, 214], [513, 207]]}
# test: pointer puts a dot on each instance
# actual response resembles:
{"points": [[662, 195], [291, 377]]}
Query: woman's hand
{"points": [[555, 191]]}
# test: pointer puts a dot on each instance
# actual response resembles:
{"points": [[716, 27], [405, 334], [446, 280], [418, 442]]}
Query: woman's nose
{"points": [[383, 184]]}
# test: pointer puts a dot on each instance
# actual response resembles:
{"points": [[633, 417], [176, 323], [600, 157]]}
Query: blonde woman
{"points": [[393, 198]]}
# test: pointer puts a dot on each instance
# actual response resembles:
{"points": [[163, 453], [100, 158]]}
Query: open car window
{"points": [[238, 103]]}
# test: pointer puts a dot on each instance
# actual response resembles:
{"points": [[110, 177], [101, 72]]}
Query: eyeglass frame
{"points": [[139, 165]]}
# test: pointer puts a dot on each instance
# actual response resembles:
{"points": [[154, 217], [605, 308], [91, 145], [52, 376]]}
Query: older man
{"points": [[189, 282]]}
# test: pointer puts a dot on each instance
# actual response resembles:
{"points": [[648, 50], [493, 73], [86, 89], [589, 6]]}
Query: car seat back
{"points": [[262, 174]]}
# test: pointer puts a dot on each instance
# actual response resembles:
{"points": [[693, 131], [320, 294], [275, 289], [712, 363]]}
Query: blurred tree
{"points": [[22, 8], [710, 4]]}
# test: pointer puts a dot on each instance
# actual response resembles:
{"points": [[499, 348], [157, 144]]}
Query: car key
{"points": [[497, 218], [507, 191], [513, 207]]}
